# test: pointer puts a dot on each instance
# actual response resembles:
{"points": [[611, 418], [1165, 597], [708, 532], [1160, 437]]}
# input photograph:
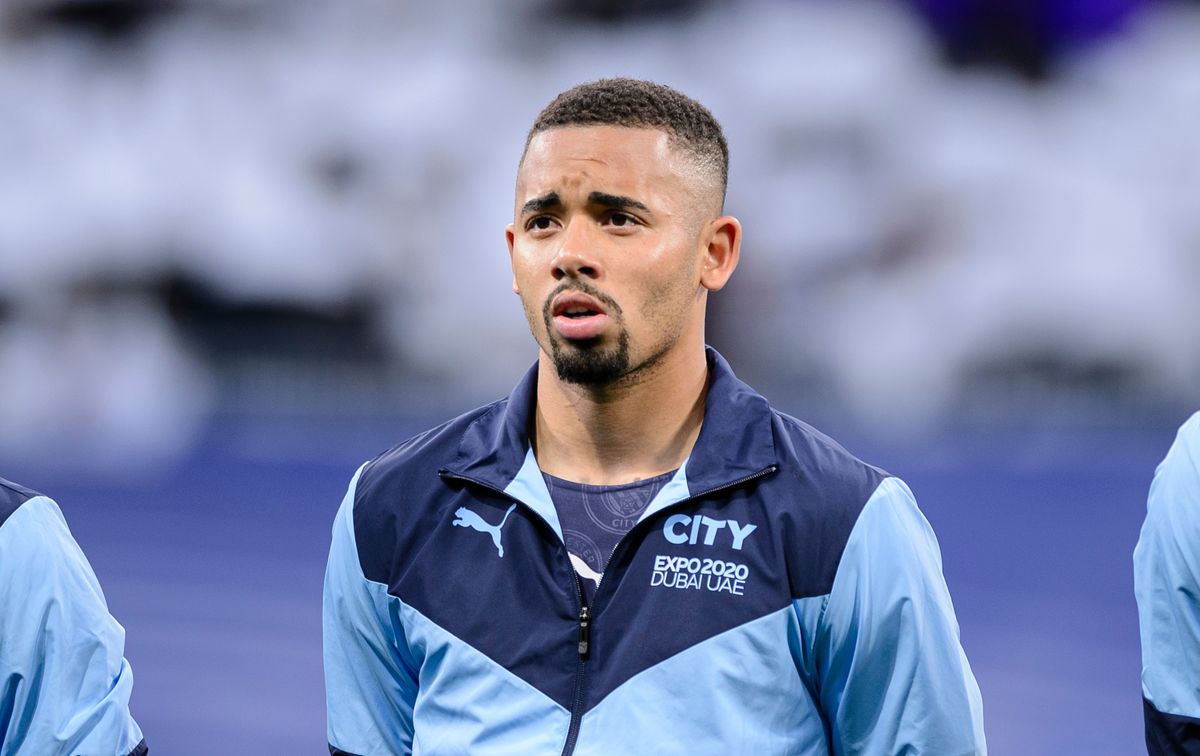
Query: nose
{"points": [[575, 257]]}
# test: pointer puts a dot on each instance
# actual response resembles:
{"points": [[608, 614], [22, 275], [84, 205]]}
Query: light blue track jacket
{"points": [[778, 596], [1166, 574], [64, 684]]}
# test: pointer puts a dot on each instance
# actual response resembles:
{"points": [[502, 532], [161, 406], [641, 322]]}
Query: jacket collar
{"points": [[736, 439]]}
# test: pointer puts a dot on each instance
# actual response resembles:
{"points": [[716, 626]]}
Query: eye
{"points": [[539, 223], [621, 220]]}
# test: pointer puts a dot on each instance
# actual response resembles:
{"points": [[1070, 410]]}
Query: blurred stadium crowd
{"points": [[953, 208]]}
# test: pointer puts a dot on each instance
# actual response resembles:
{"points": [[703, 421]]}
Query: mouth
{"points": [[575, 306], [578, 317]]}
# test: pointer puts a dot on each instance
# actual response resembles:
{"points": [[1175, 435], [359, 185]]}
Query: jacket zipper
{"points": [[583, 647], [585, 638], [585, 614]]}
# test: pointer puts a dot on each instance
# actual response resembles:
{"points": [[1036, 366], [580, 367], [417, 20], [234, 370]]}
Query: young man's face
{"points": [[606, 249]]}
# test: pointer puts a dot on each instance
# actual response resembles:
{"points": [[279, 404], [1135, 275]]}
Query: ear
{"points": [[721, 245], [510, 237]]}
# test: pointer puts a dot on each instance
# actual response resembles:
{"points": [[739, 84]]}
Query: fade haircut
{"points": [[638, 104]]}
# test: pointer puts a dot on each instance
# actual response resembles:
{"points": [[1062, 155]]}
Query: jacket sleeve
{"points": [[64, 681], [893, 675], [370, 681], [1167, 586]]}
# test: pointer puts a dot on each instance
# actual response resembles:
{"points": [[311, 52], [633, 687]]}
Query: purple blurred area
{"points": [[1029, 36], [247, 244]]}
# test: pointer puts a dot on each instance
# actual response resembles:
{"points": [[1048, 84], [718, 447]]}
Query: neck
{"points": [[621, 433]]}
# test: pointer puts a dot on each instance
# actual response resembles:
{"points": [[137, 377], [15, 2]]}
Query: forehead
{"points": [[615, 159]]}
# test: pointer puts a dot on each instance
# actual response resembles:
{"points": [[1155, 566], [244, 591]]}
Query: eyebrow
{"points": [[618, 202], [538, 204]]}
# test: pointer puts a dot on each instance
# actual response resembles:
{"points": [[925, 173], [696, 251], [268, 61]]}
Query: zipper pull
{"points": [[585, 631]]}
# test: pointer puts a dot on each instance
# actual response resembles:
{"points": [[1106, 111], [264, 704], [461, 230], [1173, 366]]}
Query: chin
{"points": [[589, 362]]}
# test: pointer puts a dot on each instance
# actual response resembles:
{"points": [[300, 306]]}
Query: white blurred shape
{"points": [[106, 387]]}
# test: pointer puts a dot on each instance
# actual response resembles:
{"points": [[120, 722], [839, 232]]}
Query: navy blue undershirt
{"points": [[594, 518]]}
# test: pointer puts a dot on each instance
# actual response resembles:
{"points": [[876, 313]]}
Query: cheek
{"points": [[669, 295], [531, 302], [529, 285], [520, 268]]}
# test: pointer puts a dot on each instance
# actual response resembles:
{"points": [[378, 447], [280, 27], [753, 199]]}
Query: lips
{"points": [[578, 316]]}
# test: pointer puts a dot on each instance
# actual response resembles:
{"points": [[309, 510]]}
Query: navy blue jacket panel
{"points": [[1170, 734]]}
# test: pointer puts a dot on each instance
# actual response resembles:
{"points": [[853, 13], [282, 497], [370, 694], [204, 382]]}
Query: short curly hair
{"points": [[635, 103]]}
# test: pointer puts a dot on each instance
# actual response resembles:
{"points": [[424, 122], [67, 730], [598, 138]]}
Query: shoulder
{"points": [[1175, 491], [824, 467], [1184, 456], [819, 497], [34, 536], [419, 458], [1178, 476], [399, 494], [12, 496]]}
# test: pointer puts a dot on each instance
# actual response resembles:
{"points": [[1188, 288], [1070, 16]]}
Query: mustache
{"points": [[583, 288]]}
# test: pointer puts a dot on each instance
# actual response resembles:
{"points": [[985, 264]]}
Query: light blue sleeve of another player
{"points": [[1166, 579], [894, 678], [64, 682], [370, 686]]}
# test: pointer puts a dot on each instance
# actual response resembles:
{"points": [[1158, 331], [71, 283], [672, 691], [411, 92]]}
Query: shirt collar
{"points": [[736, 439]]}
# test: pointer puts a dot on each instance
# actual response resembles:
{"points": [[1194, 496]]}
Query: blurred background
{"points": [[247, 244]]}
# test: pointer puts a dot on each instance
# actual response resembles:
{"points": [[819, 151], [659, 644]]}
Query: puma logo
{"points": [[584, 570], [465, 518]]}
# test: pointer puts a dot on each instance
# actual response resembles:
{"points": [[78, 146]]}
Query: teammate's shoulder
{"points": [[1189, 435], [822, 463], [1173, 505], [12, 496], [1182, 463]]}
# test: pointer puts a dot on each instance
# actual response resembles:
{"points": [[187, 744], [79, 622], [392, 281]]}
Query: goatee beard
{"points": [[587, 362]]}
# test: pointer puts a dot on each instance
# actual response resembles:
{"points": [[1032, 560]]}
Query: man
{"points": [[1166, 579], [64, 683], [633, 553]]}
